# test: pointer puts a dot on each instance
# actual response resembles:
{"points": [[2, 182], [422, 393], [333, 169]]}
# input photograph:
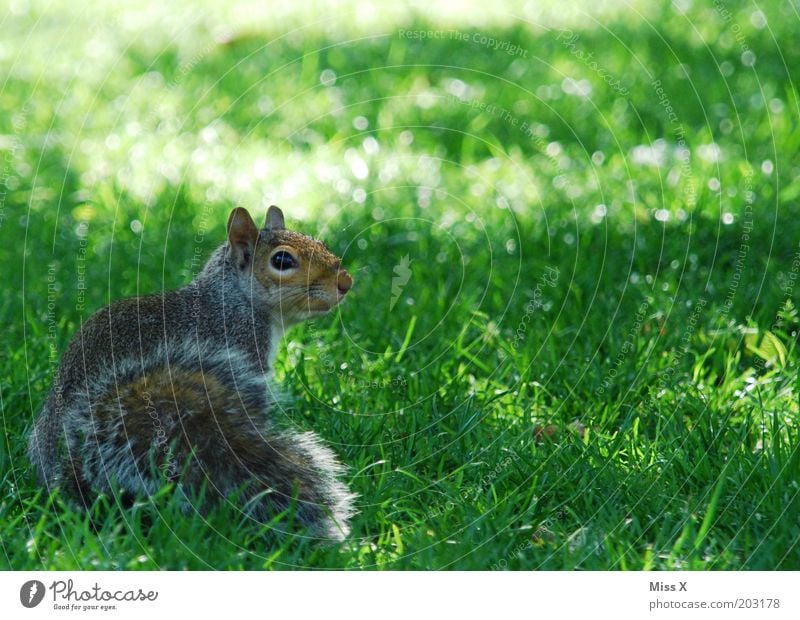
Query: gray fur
{"points": [[89, 436]]}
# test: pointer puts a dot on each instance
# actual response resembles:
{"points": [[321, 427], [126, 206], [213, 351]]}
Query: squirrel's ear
{"points": [[274, 219], [242, 235]]}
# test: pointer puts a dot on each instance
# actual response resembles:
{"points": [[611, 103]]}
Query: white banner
{"points": [[376, 595]]}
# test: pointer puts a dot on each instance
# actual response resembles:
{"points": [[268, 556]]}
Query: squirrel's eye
{"points": [[283, 260]]}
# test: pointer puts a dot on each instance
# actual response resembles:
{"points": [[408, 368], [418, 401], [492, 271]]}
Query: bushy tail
{"points": [[42, 450], [210, 427]]}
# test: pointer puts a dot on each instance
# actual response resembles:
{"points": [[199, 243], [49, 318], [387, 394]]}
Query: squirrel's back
{"points": [[109, 341]]}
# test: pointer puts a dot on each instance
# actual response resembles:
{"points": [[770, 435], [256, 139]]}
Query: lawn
{"points": [[574, 234]]}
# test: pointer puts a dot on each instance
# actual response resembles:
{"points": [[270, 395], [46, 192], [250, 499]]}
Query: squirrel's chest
{"points": [[275, 335]]}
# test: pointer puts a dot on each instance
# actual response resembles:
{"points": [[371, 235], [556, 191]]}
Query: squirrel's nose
{"points": [[343, 282]]}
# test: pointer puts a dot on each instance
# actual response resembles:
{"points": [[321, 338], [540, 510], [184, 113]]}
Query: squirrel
{"points": [[172, 387]]}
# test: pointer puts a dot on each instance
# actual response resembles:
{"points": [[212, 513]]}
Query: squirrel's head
{"points": [[292, 274]]}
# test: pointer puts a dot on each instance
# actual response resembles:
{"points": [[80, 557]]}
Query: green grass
{"points": [[569, 263]]}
